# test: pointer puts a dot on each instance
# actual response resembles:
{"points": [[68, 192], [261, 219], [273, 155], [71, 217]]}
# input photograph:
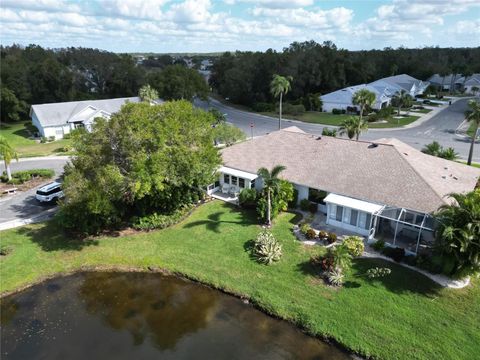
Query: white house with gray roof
{"points": [[384, 89], [58, 119]]}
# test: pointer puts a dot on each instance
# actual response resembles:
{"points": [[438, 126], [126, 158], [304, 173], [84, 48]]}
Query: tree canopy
{"points": [[144, 159]]}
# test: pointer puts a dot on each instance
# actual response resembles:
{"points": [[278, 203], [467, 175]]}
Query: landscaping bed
{"points": [[401, 316]]}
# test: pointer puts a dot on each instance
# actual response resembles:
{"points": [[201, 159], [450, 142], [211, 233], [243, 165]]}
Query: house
{"points": [[470, 85], [342, 99], [383, 190], [384, 89], [443, 83], [58, 119]]}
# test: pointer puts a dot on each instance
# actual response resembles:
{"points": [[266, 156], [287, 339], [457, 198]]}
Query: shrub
{"points": [[313, 207], [396, 253], [373, 117], [341, 257], [159, 221], [410, 260], [5, 250], [266, 248], [355, 245], [43, 140], [329, 132], [322, 235], [331, 237], [335, 277], [378, 272], [66, 148], [311, 234], [305, 204], [263, 107], [21, 177], [378, 245], [336, 111], [304, 227], [324, 262], [248, 198], [67, 136], [293, 109]]}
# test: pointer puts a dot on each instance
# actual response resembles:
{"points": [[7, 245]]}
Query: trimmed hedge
{"points": [[21, 177]]}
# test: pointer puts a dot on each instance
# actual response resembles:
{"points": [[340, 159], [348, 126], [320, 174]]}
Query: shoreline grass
{"points": [[403, 316]]}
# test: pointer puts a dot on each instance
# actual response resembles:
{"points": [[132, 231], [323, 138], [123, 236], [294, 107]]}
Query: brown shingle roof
{"points": [[386, 172]]}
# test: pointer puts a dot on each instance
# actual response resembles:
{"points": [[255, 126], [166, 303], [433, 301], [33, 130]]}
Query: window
{"points": [[362, 220], [353, 217], [234, 180], [217, 183], [346, 215], [339, 213], [241, 182], [226, 178], [333, 211], [367, 223], [316, 196], [58, 132], [252, 184]]}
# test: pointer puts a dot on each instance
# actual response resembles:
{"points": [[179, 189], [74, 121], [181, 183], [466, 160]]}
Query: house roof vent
{"points": [[319, 138], [372, 146]]}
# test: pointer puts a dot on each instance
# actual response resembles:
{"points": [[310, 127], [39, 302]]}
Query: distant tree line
{"points": [[244, 77], [34, 75]]}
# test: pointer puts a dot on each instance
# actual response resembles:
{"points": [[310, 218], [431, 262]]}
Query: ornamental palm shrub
{"points": [[335, 277], [458, 234], [266, 248], [354, 245], [341, 258], [247, 198]]}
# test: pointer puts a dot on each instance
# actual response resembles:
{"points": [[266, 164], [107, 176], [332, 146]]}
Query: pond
{"points": [[105, 315]]}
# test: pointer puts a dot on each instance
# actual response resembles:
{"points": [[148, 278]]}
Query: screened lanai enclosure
{"points": [[404, 228]]}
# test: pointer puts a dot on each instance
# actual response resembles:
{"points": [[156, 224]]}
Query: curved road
{"points": [[441, 127]]}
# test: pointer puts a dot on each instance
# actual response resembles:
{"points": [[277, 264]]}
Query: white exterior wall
{"points": [[47, 131], [302, 192], [329, 106], [345, 223]]}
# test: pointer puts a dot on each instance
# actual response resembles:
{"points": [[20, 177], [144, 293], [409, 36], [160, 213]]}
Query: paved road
{"points": [[440, 127], [23, 204]]}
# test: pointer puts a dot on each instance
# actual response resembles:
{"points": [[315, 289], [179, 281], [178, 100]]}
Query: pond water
{"points": [[144, 316]]}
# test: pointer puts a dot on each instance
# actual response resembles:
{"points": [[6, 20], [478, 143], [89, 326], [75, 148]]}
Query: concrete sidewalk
{"points": [[46, 215]]}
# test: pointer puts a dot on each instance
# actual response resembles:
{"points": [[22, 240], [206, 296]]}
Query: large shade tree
{"points": [[144, 159], [8, 153], [458, 233], [473, 115], [279, 86], [271, 184]]}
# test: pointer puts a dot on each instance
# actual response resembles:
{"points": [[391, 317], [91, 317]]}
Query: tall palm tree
{"points": [[280, 86], [402, 99], [457, 233], [363, 98], [271, 183], [147, 94], [8, 153], [353, 127], [473, 114]]}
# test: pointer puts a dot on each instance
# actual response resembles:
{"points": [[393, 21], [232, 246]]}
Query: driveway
{"points": [[23, 205], [441, 127]]}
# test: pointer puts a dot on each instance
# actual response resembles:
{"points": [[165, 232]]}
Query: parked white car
{"points": [[50, 192]]}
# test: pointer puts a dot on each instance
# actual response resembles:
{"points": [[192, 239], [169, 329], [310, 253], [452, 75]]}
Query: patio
{"points": [[227, 196]]}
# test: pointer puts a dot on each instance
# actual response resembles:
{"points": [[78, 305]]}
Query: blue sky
{"points": [[219, 25]]}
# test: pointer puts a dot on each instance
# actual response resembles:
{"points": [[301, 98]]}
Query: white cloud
{"points": [[190, 11], [280, 4], [50, 5], [139, 9]]}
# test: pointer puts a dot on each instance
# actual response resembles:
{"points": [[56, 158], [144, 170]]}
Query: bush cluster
{"points": [[263, 107], [311, 234], [396, 253], [338, 111], [355, 245], [21, 177], [248, 198], [160, 221], [331, 237], [266, 248], [293, 109]]}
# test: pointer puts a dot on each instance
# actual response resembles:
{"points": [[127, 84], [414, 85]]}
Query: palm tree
{"points": [[279, 86], [434, 149], [147, 93], [353, 127], [363, 98], [402, 99], [449, 154], [8, 153], [457, 233], [342, 259], [271, 183], [473, 114]]}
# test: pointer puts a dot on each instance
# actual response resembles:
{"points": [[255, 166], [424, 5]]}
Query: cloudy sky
{"points": [[216, 25]]}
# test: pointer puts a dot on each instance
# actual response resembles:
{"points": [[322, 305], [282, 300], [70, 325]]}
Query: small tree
{"points": [[8, 154], [458, 233], [473, 115], [147, 94], [402, 99], [228, 134], [280, 86], [271, 183], [364, 98], [353, 127]]}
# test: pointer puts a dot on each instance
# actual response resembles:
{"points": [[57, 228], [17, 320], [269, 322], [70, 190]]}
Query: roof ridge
{"points": [[404, 157]]}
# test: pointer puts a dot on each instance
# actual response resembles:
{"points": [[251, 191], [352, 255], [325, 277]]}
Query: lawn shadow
{"points": [[22, 133], [296, 219], [307, 268], [401, 281], [51, 237], [248, 247], [214, 220]]}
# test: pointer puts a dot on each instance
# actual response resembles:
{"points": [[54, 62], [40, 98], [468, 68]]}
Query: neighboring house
{"points": [[443, 83], [342, 99], [471, 85], [384, 189], [58, 119], [384, 89]]}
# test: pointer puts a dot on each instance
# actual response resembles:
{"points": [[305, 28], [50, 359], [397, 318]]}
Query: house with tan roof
{"points": [[383, 189]]}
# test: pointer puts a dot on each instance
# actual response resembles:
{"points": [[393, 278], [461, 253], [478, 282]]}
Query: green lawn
{"points": [[18, 136], [471, 129], [392, 122], [403, 316]]}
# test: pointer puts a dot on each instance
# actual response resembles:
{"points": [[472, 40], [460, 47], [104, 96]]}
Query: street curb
{"points": [[22, 222], [44, 158]]}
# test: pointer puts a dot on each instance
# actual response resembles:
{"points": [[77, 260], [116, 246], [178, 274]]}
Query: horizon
{"points": [[204, 26]]}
